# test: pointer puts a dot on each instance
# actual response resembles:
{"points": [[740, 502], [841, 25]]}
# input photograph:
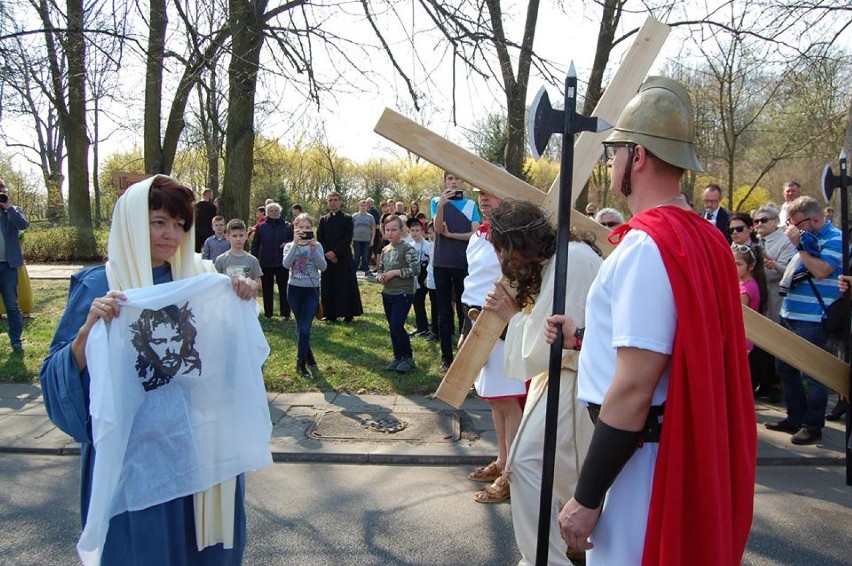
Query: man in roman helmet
{"points": [[669, 477]]}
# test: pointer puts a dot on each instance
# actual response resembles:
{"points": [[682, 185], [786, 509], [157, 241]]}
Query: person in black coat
{"points": [[268, 247], [341, 297], [713, 212], [205, 210]]}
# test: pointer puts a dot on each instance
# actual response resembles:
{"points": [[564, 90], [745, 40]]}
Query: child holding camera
{"points": [[305, 259]]}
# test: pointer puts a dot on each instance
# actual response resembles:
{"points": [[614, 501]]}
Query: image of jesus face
{"points": [[164, 340], [166, 345]]}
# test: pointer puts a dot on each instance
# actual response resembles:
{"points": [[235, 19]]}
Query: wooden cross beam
{"points": [[773, 338]]}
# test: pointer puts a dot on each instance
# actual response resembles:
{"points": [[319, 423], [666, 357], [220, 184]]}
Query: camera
{"points": [[307, 235], [4, 198], [458, 196]]}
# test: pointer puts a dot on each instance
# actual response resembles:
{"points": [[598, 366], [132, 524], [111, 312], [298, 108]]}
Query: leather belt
{"points": [[653, 429]]}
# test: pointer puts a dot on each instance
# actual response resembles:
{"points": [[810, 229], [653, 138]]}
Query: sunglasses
{"points": [[611, 224], [743, 249], [736, 229], [763, 220]]}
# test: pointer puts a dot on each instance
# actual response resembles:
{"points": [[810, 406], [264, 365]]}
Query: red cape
{"points": [[703, 491]]}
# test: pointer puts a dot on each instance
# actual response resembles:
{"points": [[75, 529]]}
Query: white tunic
{"points": [[205, 422], [527, 356], [630, 305]]}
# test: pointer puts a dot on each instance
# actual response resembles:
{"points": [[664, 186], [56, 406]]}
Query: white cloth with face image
{"points": [[177, 398]]}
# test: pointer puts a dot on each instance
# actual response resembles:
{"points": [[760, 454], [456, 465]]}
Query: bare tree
{"points": [[28, 96]]}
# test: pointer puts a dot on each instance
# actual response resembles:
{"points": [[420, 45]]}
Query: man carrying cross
{"points": [[669, 477]]}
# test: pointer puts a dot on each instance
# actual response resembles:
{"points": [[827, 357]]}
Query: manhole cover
{"points": [[382, 426]]}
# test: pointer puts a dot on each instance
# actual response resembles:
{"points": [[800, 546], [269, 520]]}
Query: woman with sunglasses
{"points": [[609, 217], [778, 251], [741, 229]]}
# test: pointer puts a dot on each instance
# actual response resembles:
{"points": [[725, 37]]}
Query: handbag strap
{"points": [[308, 272], [818, 296]]}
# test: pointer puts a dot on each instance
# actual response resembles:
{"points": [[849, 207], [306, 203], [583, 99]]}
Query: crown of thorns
{"points": [[504, 229]]}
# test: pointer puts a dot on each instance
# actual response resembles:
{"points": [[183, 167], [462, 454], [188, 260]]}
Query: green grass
{"points": [[351, 357]]}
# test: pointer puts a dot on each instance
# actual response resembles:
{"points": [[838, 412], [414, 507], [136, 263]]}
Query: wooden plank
{"points": [[483, 336], [625, 84], [451, 157], [829, 370]]}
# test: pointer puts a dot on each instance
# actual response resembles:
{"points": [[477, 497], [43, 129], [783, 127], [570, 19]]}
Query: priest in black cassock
{"points": [[340, 295]]}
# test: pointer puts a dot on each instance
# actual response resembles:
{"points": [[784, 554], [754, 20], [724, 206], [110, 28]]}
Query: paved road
{"points": [[329, 514]]}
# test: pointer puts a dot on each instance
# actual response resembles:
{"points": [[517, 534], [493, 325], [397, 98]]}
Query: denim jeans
{"points": [[805, 397], [9, 290], [303, 301], [396, 311], [361, 261], [449, 287]]}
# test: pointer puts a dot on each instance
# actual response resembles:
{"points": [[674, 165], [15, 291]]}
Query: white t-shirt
{"points": [[177, 398], [630, 304], [484, 270]]}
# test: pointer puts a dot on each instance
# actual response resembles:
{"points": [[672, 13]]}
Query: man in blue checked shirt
{"points": [[802, 312]]}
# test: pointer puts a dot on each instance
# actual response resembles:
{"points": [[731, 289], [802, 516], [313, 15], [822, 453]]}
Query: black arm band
{"points": [[611, 448]]}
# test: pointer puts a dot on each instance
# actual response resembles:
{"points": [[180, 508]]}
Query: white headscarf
{"points": [[129, 247]]}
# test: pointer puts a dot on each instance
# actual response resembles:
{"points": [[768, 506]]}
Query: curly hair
{"points": [[522, 227]]}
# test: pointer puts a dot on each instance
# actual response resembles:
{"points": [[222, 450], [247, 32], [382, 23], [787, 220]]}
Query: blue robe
{"points": [[162, 534]]}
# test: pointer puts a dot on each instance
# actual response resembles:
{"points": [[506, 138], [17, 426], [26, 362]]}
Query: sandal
{"points": [[494, 493], [487, 473]]}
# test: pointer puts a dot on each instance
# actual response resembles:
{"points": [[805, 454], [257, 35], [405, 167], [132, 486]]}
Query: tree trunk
{"points": [[96, 182], [514, 86], [79, 207], [606, 34], [246, 22], [153, 150]]}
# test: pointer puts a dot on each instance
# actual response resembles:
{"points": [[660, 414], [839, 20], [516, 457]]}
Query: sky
{"points": [[347, 118]]}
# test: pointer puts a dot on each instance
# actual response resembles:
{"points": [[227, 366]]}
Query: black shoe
{"points": [[417, 332], [806, 436], [312, 363], [302, 370], [431, 337], [445, 366], [405, 365], [347, 320], [783, 426], [393, 365], [838, 411]]}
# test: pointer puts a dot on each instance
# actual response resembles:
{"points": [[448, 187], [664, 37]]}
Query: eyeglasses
{"points": [[611, 147], [763, 220], [743, 249], [796, 224], [611, 223], [736, 229]]}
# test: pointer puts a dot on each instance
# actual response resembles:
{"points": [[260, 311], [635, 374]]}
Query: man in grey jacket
{"points": [[12, 221]]}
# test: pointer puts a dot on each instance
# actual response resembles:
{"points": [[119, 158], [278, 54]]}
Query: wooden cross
{"points": [[473, 354]]}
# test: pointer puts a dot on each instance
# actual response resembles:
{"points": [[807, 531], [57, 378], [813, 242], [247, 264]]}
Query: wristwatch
{"points": [[578, 338], [800, 247]]}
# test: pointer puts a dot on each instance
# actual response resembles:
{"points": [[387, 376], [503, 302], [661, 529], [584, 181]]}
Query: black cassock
{"points": [[340, 295]]}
